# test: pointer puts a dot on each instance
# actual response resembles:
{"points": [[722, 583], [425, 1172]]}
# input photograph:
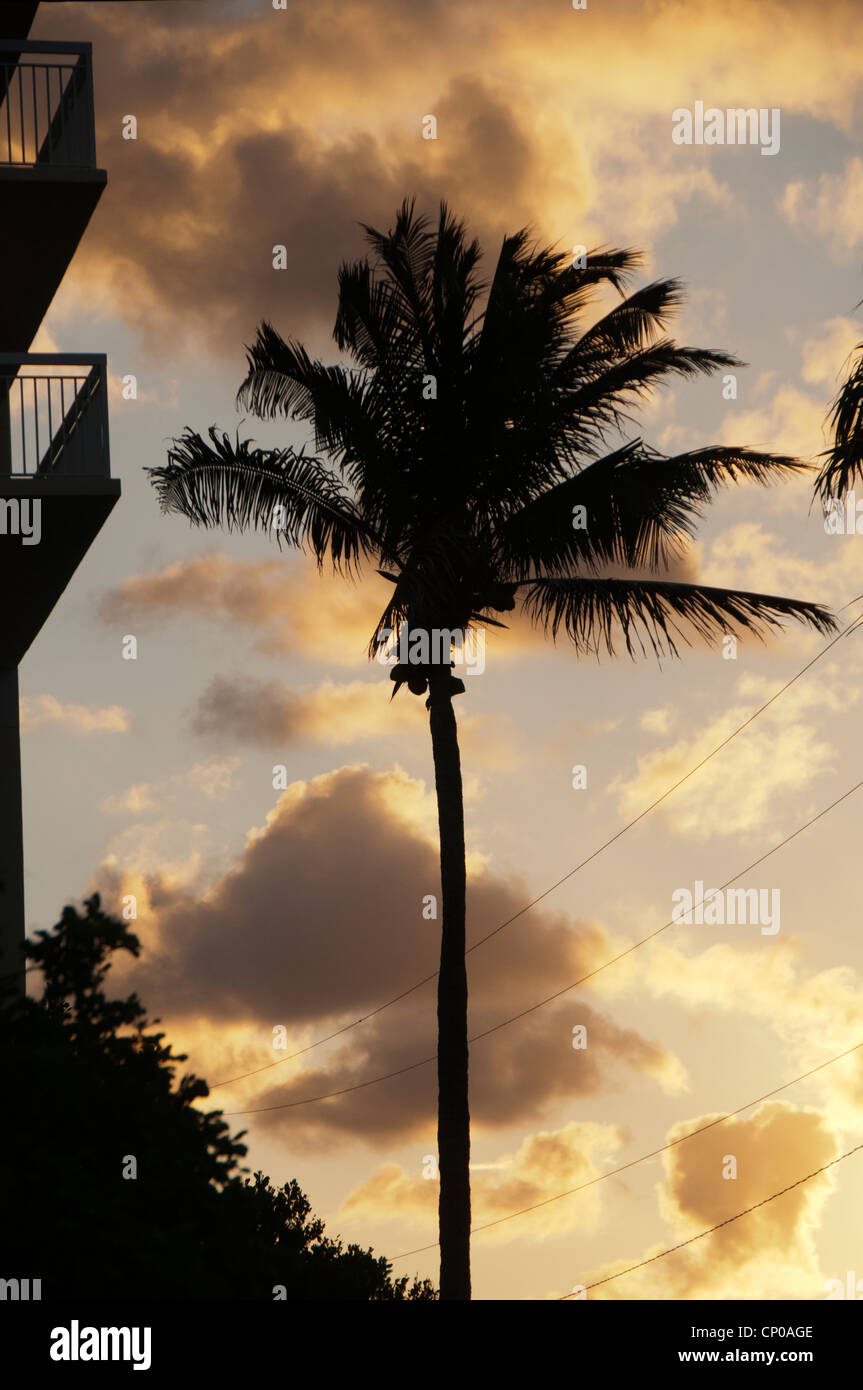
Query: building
{"points": [[55, 485]]}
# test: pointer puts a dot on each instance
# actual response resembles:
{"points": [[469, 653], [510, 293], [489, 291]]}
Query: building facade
{"points": [[56, 489]]}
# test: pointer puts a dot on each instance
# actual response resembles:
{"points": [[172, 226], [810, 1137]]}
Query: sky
{"points": [[272, 913]]}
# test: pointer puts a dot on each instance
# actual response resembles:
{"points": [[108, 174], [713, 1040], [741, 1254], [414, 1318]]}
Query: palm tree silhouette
{"points": [[469, 424], [844, 459]]}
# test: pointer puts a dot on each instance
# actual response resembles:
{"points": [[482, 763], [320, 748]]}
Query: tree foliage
{"points": [[87, 1084]]}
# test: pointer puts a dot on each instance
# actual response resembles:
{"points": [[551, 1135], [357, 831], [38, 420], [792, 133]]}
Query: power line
{"points": [[591, 974], [364, 1018], [718, 1227], [633, 1163]]}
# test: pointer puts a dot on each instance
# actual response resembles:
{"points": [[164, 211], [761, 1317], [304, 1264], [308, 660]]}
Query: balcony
{"points": [[53, 423], [49, 183], [54, 466]]}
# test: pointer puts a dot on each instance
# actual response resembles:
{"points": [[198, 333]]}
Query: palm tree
{"points": [[450, 453], [844, 459]]}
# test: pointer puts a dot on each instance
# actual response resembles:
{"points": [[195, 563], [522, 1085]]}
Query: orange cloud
{"points": [[544, 1164], [769, 1253], [315, 923], [288, 603], [314, 119], [46, 711]]}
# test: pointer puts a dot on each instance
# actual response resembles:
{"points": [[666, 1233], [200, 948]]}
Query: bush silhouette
{"points": [[86, 1083]]}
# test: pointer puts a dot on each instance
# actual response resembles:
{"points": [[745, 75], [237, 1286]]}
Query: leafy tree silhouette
{"points": [[458, 447], [87, 1084]]}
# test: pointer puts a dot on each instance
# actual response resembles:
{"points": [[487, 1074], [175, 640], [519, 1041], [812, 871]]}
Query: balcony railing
{"points": [[46, 105], [54, 415]]}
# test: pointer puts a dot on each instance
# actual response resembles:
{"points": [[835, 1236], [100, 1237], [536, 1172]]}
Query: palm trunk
{"points": [[453, 1112]]}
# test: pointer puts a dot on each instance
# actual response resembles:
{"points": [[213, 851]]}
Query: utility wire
{"points": [[364, 1018], [591, 974], [718, 1227], [633, 1163]]}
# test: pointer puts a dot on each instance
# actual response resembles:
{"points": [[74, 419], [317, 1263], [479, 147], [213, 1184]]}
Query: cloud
{"points": [[752, 558], [311, 162], [768, 1254], [825, 358], [744, 790], [794, 421], [321, 919], [776, 990], [41, 711], [546, 1163], [747, 556], [269, 714], [134, 800], [213, 779], [791, 423], [152, 860], [657, 721], [289, 605], [313, 121], [829, 207], [293, 609]]}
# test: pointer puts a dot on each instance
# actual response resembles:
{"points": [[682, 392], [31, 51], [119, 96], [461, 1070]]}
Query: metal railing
{"points": [[46, 107], [54, 423]]}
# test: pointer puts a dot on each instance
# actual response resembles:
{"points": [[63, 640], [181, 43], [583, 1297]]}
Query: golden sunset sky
{"points": [[302, 907]]}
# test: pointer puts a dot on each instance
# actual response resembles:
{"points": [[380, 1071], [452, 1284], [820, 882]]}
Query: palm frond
{"points": [[371, 323], [640, 506], [535, 295], [281, 378], [629, 326], [592, 611], [635, 373], [239, 486], [408, 253], [844, 460]]}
